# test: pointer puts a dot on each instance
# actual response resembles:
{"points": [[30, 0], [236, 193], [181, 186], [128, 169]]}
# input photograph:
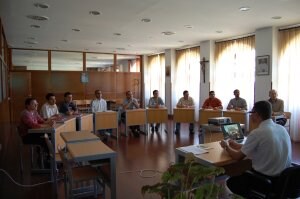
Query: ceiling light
{"points": [[276, 17], [30, 42], [38, 18], [188, 26], [117, 34], [168, 33], [146, 20], [32, 38], [94, 12], [64, 40], [219, 31], [99, 43], [35, 26], [76, 30], [244, 8], [41, 5]]}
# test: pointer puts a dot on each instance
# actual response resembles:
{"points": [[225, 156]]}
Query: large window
{"points": [[99, 62], [66, 61], [187, 76], [155, 76], [29, 59], [288, 78], [128, 63], [234, 69]]}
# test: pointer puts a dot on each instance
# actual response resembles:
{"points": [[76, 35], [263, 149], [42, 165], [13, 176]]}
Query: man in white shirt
{"points": [[49, 110], [98, 104]]}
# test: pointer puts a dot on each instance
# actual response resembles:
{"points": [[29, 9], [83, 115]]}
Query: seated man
{"points": [[49, 109], [212, 102], [185, 102], [130, 103], [99, 105], [277, 107], [68, 107], [268, 146], [155, 102], [237, 103], [30, 119]]}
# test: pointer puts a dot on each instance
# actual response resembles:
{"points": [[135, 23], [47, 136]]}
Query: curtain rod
{"points": [[235, 38], [289, 27]]}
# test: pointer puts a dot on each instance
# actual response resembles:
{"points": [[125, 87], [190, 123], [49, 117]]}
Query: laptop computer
{"points": [[233, 131]]}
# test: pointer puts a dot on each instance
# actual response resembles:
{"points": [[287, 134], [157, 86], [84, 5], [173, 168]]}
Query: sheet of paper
{"points": [[196, 150]]}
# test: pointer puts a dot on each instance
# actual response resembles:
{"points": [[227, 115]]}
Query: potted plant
{"points": [[187, 180]]}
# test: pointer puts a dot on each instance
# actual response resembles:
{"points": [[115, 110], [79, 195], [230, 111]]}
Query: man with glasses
{"points": [[155, 102], [212, 102], [268, 146]]}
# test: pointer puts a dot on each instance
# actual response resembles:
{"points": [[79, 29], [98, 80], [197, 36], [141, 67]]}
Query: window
{"points": [[66, 61], [29, 59], [128, 63], [99, 62]]}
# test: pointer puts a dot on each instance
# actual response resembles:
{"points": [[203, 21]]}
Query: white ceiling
{"points": [[124, 16]]}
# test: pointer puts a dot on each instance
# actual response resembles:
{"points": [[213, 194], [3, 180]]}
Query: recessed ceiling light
{"points": [[32, 38], [94, 12], [76, 30], [30, 42], [188, 26], [117, 34], [276, 17], [38, 18], [35, 26], [181, 41], [146, 20], [244, 8], [99, 43], [64, 40], [219, 31], [168, 33], [41, 5]]}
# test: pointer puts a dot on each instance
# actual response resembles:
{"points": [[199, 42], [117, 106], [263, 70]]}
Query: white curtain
{"points": [[235, 69], [155, 76], [288, 78], [187, 76]]}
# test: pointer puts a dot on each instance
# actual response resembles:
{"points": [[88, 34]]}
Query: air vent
{"points": [[76, 30], [168, 33], [38, 18], [146, 20], [35, 26], [41, 5], [117, 34], [94, 12], [30, 42]]}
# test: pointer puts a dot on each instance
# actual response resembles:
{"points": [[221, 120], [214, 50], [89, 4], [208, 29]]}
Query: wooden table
{"points": [[157, 115], [135, 117], [78, 136], [84, 122], [204, 114], [95, 150], [217, 156], [106, 120]]}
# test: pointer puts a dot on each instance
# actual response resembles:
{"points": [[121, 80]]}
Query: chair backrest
{"points": [[66, 163], [289, 183]]}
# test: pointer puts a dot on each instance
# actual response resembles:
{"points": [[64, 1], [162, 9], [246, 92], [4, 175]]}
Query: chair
{"points": [[54, 160], [288, 116], [80, 174], [288, 185], [21, 147]]}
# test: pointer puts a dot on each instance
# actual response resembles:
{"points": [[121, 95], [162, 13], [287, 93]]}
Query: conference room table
{"points": [[106, 120], [95, 150], [216, 156], [157, 115], [135, 117], [78, 136]]}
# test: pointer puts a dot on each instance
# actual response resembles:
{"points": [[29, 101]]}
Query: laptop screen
{"points": [[232, 131]]}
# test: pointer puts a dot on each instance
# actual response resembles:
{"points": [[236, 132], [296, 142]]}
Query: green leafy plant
{"points": [[187, 180]]}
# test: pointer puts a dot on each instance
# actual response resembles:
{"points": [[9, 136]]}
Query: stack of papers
{"points": [[195, 149]]}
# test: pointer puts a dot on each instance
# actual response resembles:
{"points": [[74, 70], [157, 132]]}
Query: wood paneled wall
{"points": [[38, 83]]}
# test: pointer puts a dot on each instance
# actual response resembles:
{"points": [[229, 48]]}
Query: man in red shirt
{"points": [[212, 102]]}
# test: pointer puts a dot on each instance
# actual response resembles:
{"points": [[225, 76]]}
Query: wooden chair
{"points": [[288, 116], [78, 175], [55, 159]]}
